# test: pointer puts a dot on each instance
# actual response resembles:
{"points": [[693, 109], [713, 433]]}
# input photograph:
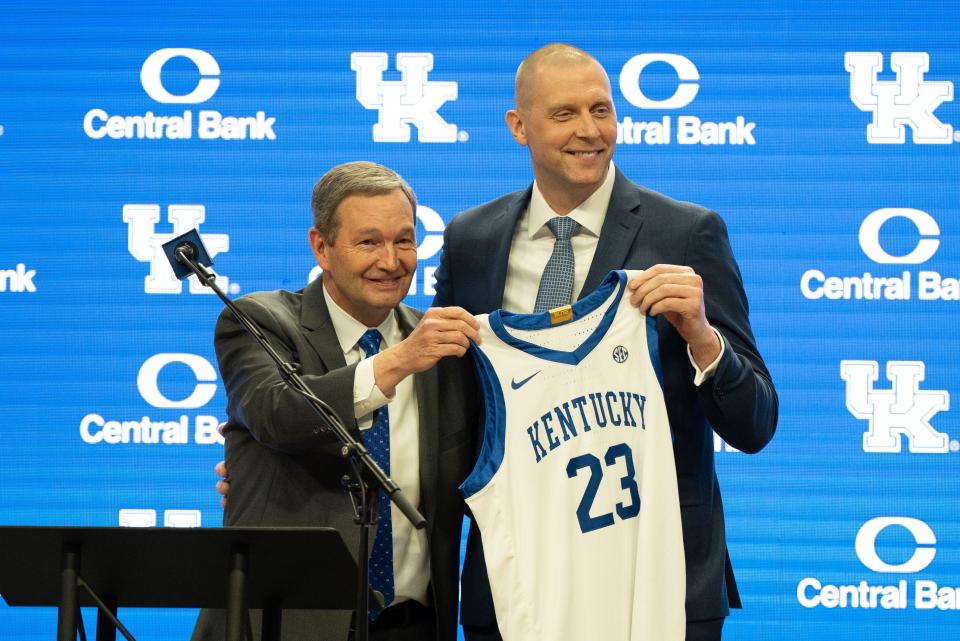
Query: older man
{"points": [[386, 372], [581, 209]]}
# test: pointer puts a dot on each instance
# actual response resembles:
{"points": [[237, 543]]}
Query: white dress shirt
{"points": [[411, 558], [533, 243]]}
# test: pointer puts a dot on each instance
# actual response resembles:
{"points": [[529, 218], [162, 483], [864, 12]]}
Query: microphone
{"points": [[185, 252]]}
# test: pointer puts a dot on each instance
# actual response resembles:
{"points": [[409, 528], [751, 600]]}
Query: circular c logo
{"points": [[686, 71], [866, 544], [206, 64], [869, 236], [203, 371], [432, 242]]}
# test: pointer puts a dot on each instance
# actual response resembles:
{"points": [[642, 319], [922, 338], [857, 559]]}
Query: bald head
{"points": [[565, 117], [558, 54]]}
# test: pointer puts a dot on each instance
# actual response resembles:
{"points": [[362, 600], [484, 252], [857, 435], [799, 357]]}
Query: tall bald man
{"points": [[714, 377]]}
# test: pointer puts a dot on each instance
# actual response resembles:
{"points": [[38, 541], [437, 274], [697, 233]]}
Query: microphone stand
{"points": [[362, 495]]}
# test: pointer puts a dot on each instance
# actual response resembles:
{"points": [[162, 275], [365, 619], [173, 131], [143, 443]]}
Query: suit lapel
{"points": [[620, 227], [425, 387], [501, 226], [315, 319]]}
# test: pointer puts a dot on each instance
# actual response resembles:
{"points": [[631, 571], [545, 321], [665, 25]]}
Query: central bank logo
{"points": [[412, 100], [201, 369], [146, 245], [928, 236], [923, 536], [904, 410], [207, 85], [908, 101], [206, 124], [919, 241], [688, 81], [18, 280], [907, 546], [157, 375], [687, 129]]}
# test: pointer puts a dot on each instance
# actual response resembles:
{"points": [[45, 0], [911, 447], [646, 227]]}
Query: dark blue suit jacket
{"points": [[643, 228]]}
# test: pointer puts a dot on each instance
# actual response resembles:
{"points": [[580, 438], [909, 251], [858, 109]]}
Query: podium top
{"points": [[302, 568]]}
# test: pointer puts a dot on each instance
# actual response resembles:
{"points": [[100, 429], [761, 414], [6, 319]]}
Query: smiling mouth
{"points": [[386, 282], [584, 154]]}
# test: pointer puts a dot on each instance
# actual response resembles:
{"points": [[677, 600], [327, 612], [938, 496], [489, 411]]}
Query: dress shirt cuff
{"points": [[367, 397], [702, 376]]}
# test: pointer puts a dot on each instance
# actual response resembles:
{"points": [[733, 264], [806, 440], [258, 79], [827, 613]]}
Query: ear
{"points": [[515, 123], [320, 247]]}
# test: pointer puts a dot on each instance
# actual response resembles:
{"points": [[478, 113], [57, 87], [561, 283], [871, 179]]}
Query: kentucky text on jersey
{"points": [[613, 408]]}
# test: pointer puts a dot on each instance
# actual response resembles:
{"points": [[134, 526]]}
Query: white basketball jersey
{"points": [[575, 489]]}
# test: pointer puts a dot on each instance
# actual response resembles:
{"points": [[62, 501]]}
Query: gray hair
{"points": [[352, 179]]}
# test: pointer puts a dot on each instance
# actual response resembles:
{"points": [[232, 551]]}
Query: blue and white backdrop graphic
{"points": [[824, 133]]}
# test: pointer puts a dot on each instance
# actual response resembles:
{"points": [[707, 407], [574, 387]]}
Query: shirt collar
{"points": [[590, 213], [349, 330]]}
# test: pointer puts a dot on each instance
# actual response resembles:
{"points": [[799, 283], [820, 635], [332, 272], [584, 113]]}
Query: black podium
{"points": [[230, 568]]}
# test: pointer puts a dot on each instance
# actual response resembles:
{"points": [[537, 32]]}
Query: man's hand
{"points": [[223, 485], [676, 292], [442, 332]]}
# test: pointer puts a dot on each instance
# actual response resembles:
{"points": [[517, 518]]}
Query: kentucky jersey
{"points": [[575, 489]]}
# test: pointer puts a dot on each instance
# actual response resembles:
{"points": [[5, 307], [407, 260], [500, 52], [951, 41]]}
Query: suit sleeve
{"points": [[258, 398], [739, 400], [443, 289]]}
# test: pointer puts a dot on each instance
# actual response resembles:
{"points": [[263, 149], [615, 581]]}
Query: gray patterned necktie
{"points": [[556, 284]]}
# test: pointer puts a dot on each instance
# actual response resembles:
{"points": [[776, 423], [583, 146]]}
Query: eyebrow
{"points": [[573, 107], [376, 230]]}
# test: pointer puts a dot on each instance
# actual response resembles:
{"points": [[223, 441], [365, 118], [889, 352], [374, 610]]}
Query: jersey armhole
{"points": [[494, 411], [653, 348]]}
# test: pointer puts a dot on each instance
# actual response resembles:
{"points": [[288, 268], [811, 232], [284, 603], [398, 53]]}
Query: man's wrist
{"points": [[706, 351], [702, 374], [367, 395], [389, 370]]}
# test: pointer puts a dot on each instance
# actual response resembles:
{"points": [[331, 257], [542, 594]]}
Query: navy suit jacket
{"points": [[643, 228]]}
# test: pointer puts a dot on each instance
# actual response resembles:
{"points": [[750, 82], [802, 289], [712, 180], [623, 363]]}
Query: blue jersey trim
{"points": [[653, 348], [494, 423], [581, 308]]}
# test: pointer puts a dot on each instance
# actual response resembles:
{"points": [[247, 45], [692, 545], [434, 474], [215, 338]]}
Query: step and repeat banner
{"points": [[825, 134]]}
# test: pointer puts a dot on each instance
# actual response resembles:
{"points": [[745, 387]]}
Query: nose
{"points": [[389, 257], [587, 126]]}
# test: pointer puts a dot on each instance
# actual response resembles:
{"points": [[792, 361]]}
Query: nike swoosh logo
{"points": [[517, 385]]}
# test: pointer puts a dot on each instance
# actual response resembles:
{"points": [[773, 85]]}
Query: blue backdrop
{"points": [[822, 133]]}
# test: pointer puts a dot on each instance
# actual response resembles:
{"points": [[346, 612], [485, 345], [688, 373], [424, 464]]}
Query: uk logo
{"points": [[412, 100], [908, 101], [146, 245], [904, 410]]}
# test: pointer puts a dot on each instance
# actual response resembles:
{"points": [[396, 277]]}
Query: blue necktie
{"points": [[377, 441], [556, 284]]}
